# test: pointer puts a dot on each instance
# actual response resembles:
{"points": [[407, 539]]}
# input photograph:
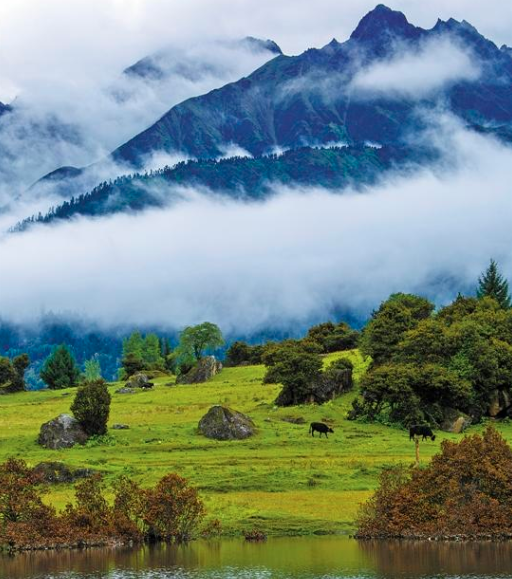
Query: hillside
{"points": [[282, 480], [240, 177]]}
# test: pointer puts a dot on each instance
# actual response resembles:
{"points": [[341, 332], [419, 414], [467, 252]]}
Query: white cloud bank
{"points": [[273, 264], [417, 75]]}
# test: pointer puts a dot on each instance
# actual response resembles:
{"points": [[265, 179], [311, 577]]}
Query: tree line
{"points": [[332, 167]]}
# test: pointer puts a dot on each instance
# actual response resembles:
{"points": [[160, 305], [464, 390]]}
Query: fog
{"points": [[292, 259], [78, 120], [417, 75]]}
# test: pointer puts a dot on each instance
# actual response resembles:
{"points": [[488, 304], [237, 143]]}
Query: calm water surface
{"points": [[297, 558]]}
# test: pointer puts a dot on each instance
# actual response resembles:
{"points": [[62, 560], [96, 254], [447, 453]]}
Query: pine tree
{"points": [[493, 285], [132, 361], [151, 353], [60, 369], [133, 345]]}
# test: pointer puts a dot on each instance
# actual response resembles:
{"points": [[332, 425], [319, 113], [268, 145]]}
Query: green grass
{"points": [[281, 480]]}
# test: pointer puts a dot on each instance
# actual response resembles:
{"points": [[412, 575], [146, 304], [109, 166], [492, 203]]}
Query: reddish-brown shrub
{"points": [[466, 490], [173, 510], [170, 511]]}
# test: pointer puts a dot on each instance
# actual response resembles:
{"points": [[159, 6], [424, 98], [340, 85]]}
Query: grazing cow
{"points": [[321, 428], [423, 431]]}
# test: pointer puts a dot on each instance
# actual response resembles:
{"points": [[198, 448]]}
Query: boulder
{"points": [[54, 472], [139, 380], [331, 384], [120, 427], [57, 472], [62, 432], [221, 423], [201, 372], [125, 390], [454, 421], [499, 403]]}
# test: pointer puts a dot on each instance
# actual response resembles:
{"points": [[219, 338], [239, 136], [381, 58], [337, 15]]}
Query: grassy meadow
{"points": [[282, 480]]}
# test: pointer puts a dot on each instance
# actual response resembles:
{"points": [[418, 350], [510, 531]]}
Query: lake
{"points": [[280, 558]]}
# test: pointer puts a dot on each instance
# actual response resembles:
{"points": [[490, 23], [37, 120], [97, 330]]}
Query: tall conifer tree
{"points": [[493, 285]]}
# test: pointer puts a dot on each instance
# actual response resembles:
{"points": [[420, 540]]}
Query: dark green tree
{"points": [[20, 364], [492, 284], [91, 407], [334, 337], [132, 364], [242, 353], [399, 314], [296, 368], [60, 369], [12, 373]]}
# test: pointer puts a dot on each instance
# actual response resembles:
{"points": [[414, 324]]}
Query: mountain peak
{"points": [[260, 44], [382, 21]]}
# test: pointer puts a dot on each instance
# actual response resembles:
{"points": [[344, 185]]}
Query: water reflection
{"points": [[294, 558]]}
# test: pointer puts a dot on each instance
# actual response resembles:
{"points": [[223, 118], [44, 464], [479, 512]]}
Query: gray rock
{"points": [[206, 368], [332, 383], [54, 472], [139, 380], [499, 403], [83, 473], [120, 427], [125, 390], [455, 421], [221, 423], [62, 432]]}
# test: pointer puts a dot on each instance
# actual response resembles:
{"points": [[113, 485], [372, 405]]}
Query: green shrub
{"points": [[91, 407]]}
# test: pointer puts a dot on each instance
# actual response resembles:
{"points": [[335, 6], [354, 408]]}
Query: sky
{"points": [[40, 41], [246, 267]]}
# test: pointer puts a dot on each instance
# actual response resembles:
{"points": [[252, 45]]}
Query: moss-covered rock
{"points": [[222, 423], [205, 369]]}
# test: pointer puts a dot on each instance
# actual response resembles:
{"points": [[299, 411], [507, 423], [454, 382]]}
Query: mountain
{"points": [[329, 96], [172, 61], [167, 76], [4, 108], [244, 178], [307, 99]]}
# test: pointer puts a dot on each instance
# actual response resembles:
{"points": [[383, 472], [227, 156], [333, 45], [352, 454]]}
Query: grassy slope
{"points": [[281, 480]]}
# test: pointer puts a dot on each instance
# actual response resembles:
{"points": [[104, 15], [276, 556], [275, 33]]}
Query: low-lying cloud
{"points": [[439, 63], [78, 120], [280, 263]]}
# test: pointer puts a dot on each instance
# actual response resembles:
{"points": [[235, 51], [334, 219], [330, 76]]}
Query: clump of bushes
{"points": [[242, 354], [334, 337], [298, 366], [171, 511], [426, 364], [320, 339], [465, 492]]}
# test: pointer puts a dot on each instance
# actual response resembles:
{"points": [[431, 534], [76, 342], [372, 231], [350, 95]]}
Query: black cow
{"points": [[423, 431], [321, 428]]}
